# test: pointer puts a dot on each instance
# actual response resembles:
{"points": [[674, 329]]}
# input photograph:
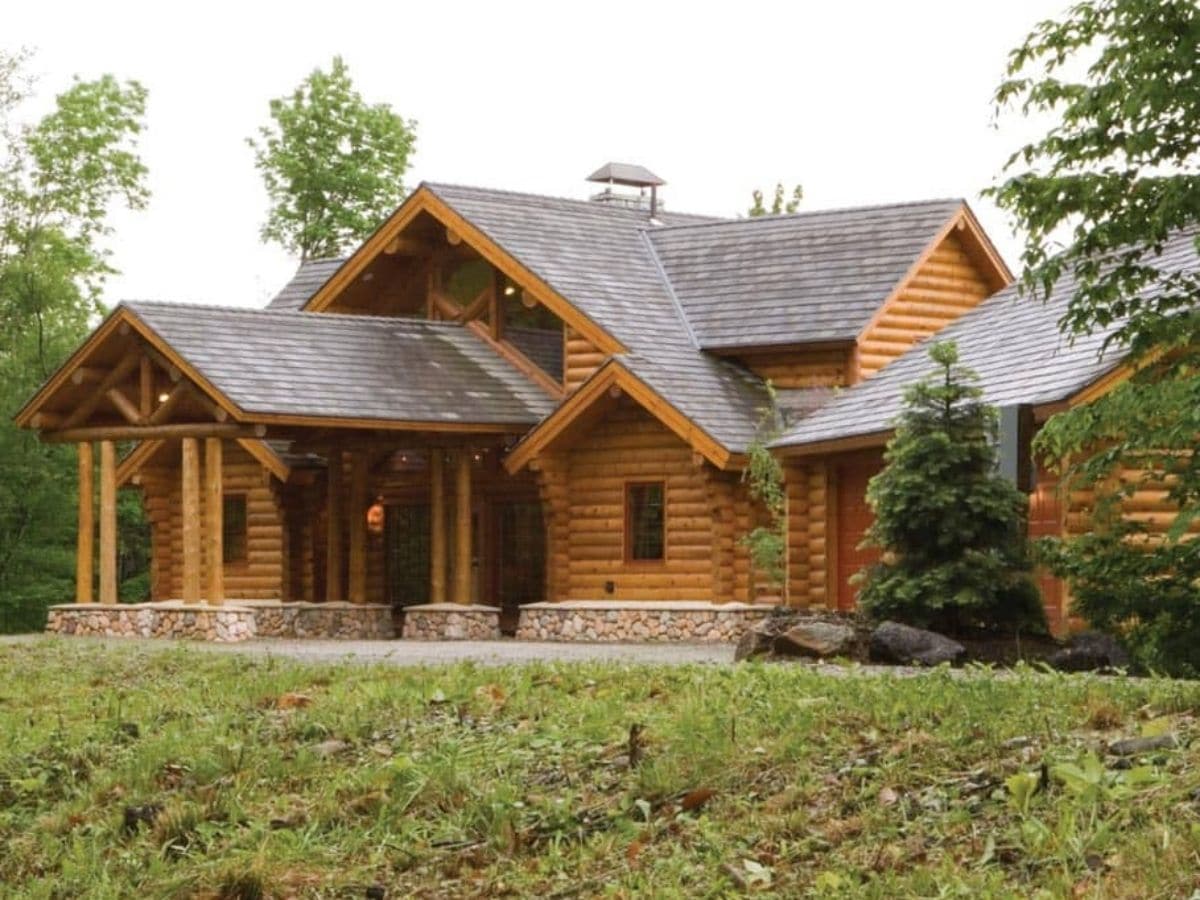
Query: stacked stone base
{"points": [[451, 622], [228, 623], [638, 621]]}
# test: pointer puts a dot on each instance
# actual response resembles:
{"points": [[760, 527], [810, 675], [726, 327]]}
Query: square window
{"points": [[233, 528], [645, 522]]}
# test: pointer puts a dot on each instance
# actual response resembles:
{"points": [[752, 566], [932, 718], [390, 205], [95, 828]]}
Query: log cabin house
{"points": [[507, 411]]}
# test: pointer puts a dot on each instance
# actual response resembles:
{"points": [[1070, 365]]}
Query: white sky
{"points": [[861, 102]]}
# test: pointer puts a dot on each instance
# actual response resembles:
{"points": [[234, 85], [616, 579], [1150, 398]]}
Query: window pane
{"points": [[233, 532], [647, 539]]}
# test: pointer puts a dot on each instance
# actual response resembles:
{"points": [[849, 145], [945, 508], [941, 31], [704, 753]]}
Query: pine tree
{"points": [[951, 528]]}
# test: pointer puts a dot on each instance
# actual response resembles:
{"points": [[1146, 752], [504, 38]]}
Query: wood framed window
{"points": [[645, 521], [234, 529]]}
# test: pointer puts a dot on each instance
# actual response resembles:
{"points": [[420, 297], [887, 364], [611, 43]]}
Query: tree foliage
{"points": [[333, 165], [779, 205], [58, 179], [767, 542], [1099, 196], [952, 530]]}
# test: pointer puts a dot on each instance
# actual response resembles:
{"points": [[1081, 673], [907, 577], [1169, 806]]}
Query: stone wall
{"points": [[638, 621], [226, 624], [451, 621], [339, 621]]}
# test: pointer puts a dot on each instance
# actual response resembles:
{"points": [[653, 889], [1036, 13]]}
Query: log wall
{"points": [[261, 576], [800, 368], [947, 284], [807, 547], [580, 358]]}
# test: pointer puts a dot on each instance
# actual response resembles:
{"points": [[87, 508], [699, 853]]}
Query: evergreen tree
{"points": [[951, 528], [779, 206]]}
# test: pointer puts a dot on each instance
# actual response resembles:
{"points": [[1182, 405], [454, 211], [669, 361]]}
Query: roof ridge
{"points": [[670, 288], [338, 318], [814, 213], [590, 205]]}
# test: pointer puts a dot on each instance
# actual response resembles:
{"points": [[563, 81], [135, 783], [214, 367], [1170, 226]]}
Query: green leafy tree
{"points": [[779, 205], [333, 165], [58, 179], [763, 474], [1099, 195], [951, 528]]}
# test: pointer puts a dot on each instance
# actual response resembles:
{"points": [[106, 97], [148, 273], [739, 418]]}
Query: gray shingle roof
{"points": [[308, 278], [295, 363], [806, 277], [597, 256], [1012, 342]]}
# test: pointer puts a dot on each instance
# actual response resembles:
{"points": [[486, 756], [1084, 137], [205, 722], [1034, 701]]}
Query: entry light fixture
{"points": [[509, 290], [162, 398]]}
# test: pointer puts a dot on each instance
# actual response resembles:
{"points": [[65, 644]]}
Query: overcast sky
{"points": [[863, 102]]}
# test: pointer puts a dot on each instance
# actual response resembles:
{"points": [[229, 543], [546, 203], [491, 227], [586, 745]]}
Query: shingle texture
{"points": [[308, 278], [599, 258], [815, 276], [281, 362], [1012, 342]]}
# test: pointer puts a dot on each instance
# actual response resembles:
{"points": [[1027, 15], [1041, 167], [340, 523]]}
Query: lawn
{"points": [[179, 773]]}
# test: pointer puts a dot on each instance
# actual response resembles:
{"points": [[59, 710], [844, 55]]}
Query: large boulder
{"points": [[816, 639], [1090, 651], [895, 643], [759, 639]]}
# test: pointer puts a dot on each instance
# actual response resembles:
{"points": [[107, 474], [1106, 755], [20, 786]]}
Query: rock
{"points": [[1090, 651], [903, 644], [757, 641], [1134, 746], [331, 747], [819, 639]]}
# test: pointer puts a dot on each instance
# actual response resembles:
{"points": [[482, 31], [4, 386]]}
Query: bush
{"points": [[951, 528]]}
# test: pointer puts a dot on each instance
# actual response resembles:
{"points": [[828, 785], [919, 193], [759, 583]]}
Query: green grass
{"points": [[474, 781]]}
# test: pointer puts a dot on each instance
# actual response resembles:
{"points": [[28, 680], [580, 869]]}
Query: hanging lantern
{"points": [[375, 516]]}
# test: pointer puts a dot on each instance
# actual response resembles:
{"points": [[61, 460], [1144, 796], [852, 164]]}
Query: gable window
{"points": [[233, 528], [645, 522]]}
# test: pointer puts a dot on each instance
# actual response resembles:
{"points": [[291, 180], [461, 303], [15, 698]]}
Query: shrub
{"points": [[951, 528]]}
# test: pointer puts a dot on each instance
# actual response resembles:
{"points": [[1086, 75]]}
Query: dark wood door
{"points": [[406, 539], [853, 518], [520, 558]]}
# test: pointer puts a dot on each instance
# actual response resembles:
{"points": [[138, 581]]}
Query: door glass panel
{"points": [[522, 545], [406, 533]]}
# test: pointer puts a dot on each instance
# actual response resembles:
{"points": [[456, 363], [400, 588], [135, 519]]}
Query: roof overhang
{"points": [[588, 404], [424, 200], [834, 445]]}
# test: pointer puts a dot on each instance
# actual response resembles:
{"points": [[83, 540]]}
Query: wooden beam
{"points": [[519, 361], [87, 524], [45, 420], [333, 528], [462, 528], [124, 406], [453, 237], [405, 246], [359, 470], [115, 376], [476, 306], [178, 391], [496, 306], [445, 306], [108, 522], [134, 460], [437, 527], [190, 490], [214, 520], [87, 375], [146, 388], [149, 432]]}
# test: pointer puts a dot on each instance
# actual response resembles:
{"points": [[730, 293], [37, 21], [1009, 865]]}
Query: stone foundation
{"points": [[338, 621], [451, 622], [230, 622], [631, 620], [226, 624]]}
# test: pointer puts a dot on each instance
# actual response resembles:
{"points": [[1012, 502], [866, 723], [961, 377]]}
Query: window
{"points": [[233, 528], [645, 522]]}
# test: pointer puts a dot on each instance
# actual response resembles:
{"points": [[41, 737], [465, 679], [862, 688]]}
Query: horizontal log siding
{"points": [[946, 285], [580, 359], [262, 575], [799, 368]]}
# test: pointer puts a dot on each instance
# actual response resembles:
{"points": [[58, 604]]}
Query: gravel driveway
{"points": [[417, 653]]}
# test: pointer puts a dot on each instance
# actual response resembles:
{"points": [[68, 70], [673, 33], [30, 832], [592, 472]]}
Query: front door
{"points": [[406, 537], [520, 555], [853, 517]]}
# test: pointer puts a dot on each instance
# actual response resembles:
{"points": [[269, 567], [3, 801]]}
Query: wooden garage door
{"points": [[853, 518]]}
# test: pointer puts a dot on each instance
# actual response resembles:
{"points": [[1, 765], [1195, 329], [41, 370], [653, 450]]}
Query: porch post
{"points": [[87, 524], [462, 523], [190, 490], [357, 592], [108, 522], [333, 528], [437, 527], [214, 520]]}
